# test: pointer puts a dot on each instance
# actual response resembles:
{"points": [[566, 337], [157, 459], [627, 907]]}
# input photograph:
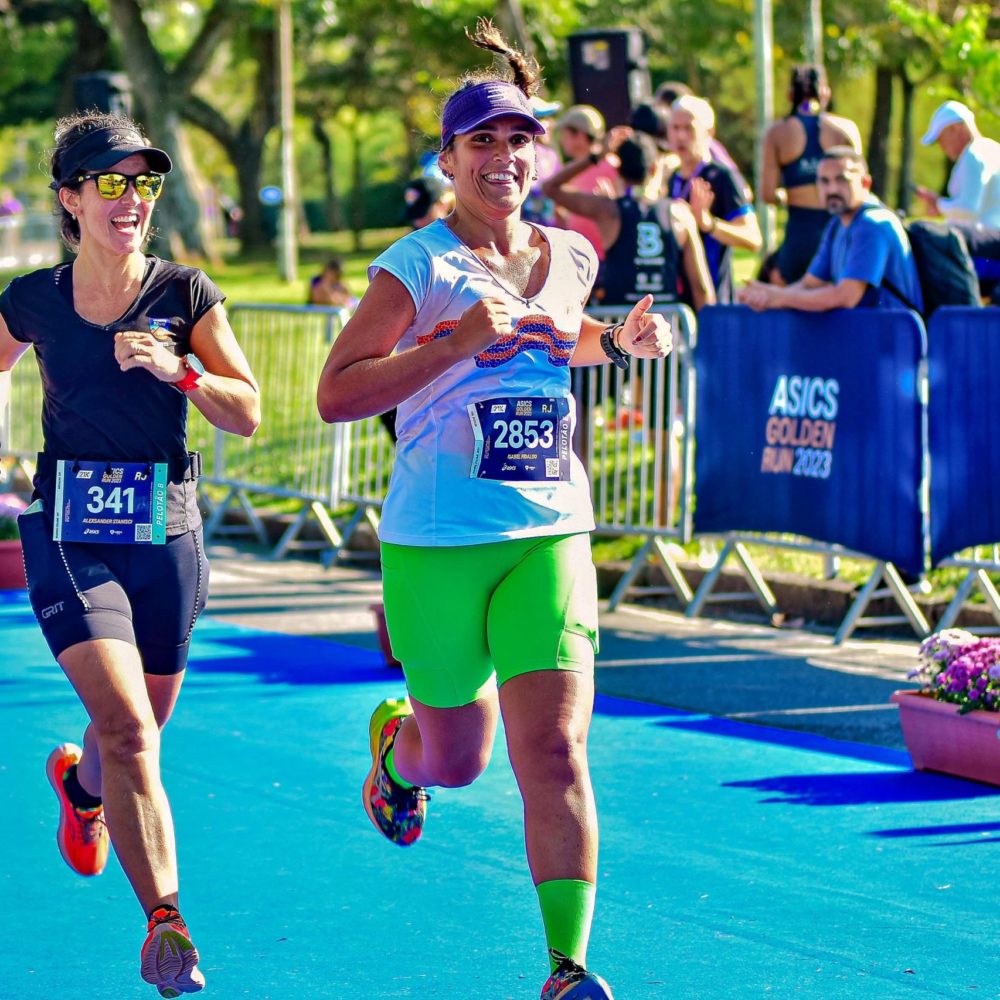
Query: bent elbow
{"points": [[329, 411], [251, 425]]}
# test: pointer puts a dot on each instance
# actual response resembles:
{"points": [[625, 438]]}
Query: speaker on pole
{"points": [[107, 92], [608, 70]]}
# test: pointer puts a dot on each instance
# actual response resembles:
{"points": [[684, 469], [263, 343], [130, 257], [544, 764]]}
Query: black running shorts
{"points": [[147, 595]]}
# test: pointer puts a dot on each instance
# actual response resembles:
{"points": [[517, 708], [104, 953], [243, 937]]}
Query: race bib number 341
{"points": [[521, 439], [124, 502]]}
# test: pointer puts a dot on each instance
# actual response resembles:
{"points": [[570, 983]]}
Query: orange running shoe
{"points": [[82, 835], [169, 957]]}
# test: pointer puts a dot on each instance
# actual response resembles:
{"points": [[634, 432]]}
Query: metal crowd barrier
{"points": [[28, 239], [294, 455], [635, 434]]}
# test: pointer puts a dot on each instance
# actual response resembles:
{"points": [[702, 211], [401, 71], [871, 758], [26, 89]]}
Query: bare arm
{"points": [[770, 174], [644, 335], [226, 394], [743, 231], [810, 295], [692, 255], [10, 351], [360, 378], [603, 210]]}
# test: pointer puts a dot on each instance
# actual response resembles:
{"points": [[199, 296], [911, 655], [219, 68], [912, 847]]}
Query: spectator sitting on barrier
{"points": [[720, 205], [864, 253], [864, 250], [793, 147], [328, 289]]}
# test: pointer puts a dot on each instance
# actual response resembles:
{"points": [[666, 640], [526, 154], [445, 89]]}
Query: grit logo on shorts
{"points": [[52, 609]]}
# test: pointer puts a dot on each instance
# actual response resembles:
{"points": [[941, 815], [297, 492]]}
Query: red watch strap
{"points": [[189, 381]]}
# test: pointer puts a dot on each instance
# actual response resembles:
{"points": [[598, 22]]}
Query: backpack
{"points": [[944, 267]]}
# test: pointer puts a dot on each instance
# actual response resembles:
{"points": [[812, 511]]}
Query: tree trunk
{"points": [[905, 188], [510, 16], [179, 220], [331, 203], [878, 140], [166, 91], [246, 158], [357, 184]]}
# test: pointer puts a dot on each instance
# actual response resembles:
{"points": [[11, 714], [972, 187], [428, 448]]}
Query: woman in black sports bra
{"points": [[112, 541], [793, 148]]}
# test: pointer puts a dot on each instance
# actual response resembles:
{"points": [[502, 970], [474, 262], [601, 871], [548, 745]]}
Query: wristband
{"points": [[711, 227], [611, 349]]}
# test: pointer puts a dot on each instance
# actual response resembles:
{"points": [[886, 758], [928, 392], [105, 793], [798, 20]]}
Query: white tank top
{"points": [[434, 497]]}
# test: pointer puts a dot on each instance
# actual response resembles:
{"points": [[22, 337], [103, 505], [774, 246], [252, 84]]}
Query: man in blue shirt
{"points": [[864, 258]]}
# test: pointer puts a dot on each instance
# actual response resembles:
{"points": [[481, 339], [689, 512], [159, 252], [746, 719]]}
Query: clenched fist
{"points": [[481, 325]]}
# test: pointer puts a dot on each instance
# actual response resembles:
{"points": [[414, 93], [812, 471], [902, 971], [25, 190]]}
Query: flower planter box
{"points": [[12, 566], [939, 739]]}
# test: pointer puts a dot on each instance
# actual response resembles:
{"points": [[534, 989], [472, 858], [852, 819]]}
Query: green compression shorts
{"points": [[458, 615]]}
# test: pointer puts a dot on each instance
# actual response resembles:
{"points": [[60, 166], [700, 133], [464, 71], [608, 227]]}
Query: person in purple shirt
{"points": [[864, 258]]}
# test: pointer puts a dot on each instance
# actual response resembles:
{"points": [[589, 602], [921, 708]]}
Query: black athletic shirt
{"points": [[91, 408], [644, 259]]}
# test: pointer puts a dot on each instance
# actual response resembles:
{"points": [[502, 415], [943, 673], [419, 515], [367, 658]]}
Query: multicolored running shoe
{"points": [[573, 982], [82, 835], [397, 813], [169, 957]]}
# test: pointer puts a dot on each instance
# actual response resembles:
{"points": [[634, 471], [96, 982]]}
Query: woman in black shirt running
{"points": [[112, 540]]}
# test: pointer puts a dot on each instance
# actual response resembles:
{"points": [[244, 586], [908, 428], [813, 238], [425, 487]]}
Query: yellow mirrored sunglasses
{"points": [[112, 186]]}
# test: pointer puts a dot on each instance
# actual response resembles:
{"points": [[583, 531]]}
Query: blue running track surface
{"points": [[736, 861]]}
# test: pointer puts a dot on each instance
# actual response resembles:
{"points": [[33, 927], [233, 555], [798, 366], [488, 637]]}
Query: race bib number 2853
{"points": [[521, 439]]}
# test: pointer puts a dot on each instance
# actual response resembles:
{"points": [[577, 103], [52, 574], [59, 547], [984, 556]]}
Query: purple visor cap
{"points": [[469, 108]]}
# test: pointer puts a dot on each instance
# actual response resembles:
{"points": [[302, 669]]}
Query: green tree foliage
{"points": [[964, 48]]}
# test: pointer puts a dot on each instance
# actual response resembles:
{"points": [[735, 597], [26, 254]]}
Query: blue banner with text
{"points": [[810, 424], [963, 358]]}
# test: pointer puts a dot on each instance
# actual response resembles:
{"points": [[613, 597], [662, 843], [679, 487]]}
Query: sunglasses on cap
{"points": [[112, 186]]}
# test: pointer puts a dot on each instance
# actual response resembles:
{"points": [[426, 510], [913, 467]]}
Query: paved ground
{"points": [[777, 677]]}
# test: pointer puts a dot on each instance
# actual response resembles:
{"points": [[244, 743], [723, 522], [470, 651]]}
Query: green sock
{"points": [[567, 911], [390, 766]]}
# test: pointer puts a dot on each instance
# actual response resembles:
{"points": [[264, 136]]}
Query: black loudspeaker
{"points": [[608, 70], [107, 92]]}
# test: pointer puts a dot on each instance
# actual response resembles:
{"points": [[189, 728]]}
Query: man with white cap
{"points": [[974, 184]]}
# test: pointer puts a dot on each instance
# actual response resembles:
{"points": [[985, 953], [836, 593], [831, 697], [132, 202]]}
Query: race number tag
{"points": [[124, 502], [520, 439]]}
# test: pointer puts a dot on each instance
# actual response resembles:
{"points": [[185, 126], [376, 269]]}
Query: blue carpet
{"points": [[736, 861]]}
